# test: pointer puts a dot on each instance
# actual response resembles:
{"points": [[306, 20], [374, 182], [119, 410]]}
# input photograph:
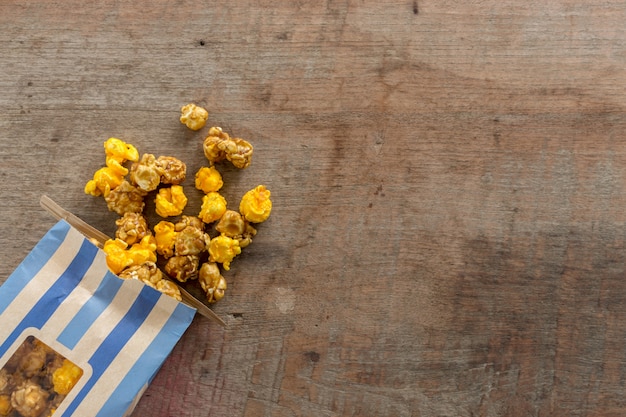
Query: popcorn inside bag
{"points": [[75, 339], [36, 379]]}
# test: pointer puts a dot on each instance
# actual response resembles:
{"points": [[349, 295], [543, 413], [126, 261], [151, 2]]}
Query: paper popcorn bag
{"points": [[76, 340]]}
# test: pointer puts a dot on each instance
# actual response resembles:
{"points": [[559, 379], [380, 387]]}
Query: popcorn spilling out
{"points": [[184, 246]]}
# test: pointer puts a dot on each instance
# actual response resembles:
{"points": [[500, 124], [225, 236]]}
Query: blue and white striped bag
{"points": [[117, 331]]}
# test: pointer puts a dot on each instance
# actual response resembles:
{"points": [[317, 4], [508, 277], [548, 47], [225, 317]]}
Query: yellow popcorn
{"points": [[194, 117], [213, 207], [109, 177], [119, 151], [165, 236], [181, 245], [5, 405], [105, 179], [120, 256], [65, 377], [117, 257], [170, 201], [256, 205], [144, 251], [223, 249], [208, 179]]}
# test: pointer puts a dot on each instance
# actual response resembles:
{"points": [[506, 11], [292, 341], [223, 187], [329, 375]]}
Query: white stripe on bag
{"points": [[132, 351], [79, 296], [106, 322], [43, 280]]}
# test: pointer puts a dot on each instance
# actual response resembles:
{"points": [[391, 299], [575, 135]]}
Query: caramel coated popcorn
{"points": [[125, 198], [169, 288], [212, 281], [190, 239], [183, 267], [147, 272], [150, 274], [173, 170], [233, 225], [29, 399], [180, 248], [194, 117], [219, 146], [146, 174], [132, 227]]}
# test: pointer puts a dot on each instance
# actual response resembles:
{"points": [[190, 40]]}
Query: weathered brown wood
{"points": [[448, 235]]}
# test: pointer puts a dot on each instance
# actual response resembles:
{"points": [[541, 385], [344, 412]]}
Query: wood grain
{"points": [[448, 181]]}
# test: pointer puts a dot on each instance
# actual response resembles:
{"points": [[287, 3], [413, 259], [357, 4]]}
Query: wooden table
{"points": [[448, 235]]}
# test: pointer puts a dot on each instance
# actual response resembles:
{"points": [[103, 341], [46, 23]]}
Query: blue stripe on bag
{"points": [[90, 311], [112, 345], [32, 264], [56, 294], [143, 371]]}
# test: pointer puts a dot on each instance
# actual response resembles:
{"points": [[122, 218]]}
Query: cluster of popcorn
{"points": [[35, 380], [185, 246]]}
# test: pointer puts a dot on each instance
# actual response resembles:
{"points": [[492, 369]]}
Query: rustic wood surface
{"points": [[448, 235]]}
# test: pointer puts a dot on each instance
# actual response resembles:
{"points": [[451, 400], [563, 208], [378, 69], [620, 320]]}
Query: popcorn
{"points": [[223, 249], [212, 282], [150, 274], [120, 256], [182, 243], [233, 225], [35, 380], [256, 205], [169, 288], [126, 198], [146, 174], [65, 377], [117, 258], [191, 239], [104, 180], [193, 117], [183, 267], [165, 236], [213, 207], [112, 175], [173, 170], [147, 272], [219, 146], [208, 179], [170, 201], [132, 227], [30, 399], [119, 151]]}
